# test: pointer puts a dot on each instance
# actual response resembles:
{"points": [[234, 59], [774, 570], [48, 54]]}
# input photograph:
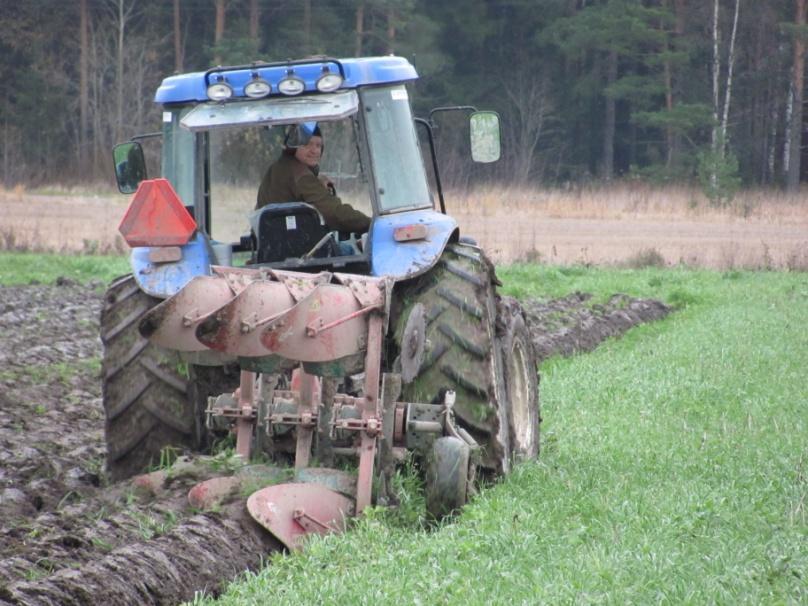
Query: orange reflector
{"points": [[156, 217], [416, 231], [167, 254]]}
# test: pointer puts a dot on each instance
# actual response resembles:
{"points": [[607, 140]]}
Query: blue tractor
{"points": [[308, 343]]}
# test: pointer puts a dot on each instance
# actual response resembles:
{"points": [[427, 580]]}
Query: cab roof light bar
{"points": [[324, 60]]}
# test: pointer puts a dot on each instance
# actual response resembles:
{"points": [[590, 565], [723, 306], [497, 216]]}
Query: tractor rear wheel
{"points": [[455, 306], [149, 401]]}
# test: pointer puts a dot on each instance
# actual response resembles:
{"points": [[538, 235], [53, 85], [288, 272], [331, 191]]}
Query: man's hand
{"points": [[328, 183]]}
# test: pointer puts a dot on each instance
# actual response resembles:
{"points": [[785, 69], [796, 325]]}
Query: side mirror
{"points": [[130, 166], [485, 136]]}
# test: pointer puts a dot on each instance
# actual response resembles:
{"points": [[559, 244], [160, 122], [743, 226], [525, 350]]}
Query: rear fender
{"points": [[404, 260], [165, 279]]}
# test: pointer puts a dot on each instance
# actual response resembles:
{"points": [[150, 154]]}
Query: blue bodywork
{"points": [[186, 88], [398, 260], [402, 260], [166, 279]]}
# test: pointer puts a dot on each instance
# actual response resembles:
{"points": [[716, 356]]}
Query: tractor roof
{"points": [[357, 72]]}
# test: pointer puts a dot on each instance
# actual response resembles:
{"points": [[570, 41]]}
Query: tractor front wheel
{"points": [[521, 380]]}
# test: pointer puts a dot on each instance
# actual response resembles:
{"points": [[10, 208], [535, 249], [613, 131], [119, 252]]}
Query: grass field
{"points": [[27, 268], [674, 470]]}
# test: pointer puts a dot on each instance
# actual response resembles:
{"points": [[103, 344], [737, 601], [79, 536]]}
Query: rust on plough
{"points": [[292, 511], [258, 315]]}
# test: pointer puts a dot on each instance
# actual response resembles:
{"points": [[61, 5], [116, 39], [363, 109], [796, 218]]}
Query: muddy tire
{"points": [[447, 477], [460, 353], [521, 380], [149, 402]]}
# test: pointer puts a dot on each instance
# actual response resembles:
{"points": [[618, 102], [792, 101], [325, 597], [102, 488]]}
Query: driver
{"points": [[294, 177]]}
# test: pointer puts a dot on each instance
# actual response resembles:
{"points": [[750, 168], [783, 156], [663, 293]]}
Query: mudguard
{"points": [[163, 280], [404, 260]]}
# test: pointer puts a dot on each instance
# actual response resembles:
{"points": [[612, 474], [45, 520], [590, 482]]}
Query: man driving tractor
{"points": [[294, 177]]}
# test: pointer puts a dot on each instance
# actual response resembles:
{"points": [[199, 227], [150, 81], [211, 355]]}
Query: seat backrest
{"points": [[287, 230]]}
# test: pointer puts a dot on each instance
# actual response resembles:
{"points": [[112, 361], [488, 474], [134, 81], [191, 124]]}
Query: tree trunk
{"points": [[769, 175], [83, 83], [307, 26], [798, 81], [669, 136], [218, 33], [716, 73], [255, 18], [672, 139], [527, 96], [728, 91], [391, 30], [610, 120], [360, 22], [178, 58], [122, 17], [789, 128]]}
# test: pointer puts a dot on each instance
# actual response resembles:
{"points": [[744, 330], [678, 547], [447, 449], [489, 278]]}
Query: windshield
{"points": [[239, 158], [397, 163]]}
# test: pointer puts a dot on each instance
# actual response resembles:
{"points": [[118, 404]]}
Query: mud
{"points": [[573, 324], [67, 536]]}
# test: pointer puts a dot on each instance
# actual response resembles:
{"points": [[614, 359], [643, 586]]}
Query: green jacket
{"points": [[289, 180]]}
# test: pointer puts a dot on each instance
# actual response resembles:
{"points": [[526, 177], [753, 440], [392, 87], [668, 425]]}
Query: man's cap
{"points": [[298, 135]]}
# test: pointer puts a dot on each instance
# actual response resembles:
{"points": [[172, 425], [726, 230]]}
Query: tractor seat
{"points": [[287, 230]]}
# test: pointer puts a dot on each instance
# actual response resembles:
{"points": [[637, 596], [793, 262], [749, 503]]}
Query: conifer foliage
{"points": [[587, 89]]}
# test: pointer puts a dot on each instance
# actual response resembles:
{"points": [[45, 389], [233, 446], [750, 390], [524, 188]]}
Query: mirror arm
{"points": [[146, 136], [426, 124], [450, 108]]}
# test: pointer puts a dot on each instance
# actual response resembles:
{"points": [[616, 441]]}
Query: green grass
{"points": [[30, 268], [674, 470], [678, 286]]}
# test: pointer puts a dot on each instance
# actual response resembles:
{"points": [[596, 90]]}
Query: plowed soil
{"points": [[67, 536]]}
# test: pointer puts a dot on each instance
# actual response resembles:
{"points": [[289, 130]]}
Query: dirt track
{"points": [[67, 537]]}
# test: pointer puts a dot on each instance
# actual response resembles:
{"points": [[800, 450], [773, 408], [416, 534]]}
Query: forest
{"points": [[708, 91]]}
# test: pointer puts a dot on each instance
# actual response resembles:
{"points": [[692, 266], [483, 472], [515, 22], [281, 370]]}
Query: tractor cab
{"points": [[222, 129]]}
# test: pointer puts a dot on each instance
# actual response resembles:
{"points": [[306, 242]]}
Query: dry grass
{"points": [[623, 224], [631, 223], [627, 200], [62, 219]]}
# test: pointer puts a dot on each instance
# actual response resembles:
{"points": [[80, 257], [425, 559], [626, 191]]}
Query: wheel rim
{"points": [[519, 394]]}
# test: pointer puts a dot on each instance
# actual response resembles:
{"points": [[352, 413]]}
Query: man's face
{"points": [[310, 153]]}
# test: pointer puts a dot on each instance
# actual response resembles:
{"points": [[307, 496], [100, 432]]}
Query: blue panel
{"points": [[165, 279], [358, 72], [403, 260]]}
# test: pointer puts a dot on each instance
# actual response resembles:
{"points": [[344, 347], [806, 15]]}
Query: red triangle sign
{"points": [[156, 217]]}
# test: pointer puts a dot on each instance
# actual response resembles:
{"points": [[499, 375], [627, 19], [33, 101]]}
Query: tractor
{"points": [[335, 354]]}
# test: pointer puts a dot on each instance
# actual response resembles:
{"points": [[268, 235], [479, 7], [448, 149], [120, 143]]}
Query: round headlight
{"points": [[329, 82], [219, 91], [257, 88], [291, 85]]}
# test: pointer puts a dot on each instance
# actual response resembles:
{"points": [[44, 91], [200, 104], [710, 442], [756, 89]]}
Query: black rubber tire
{"points": [[521, 380], [458, 295], [447, 477], [149, 401]]}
